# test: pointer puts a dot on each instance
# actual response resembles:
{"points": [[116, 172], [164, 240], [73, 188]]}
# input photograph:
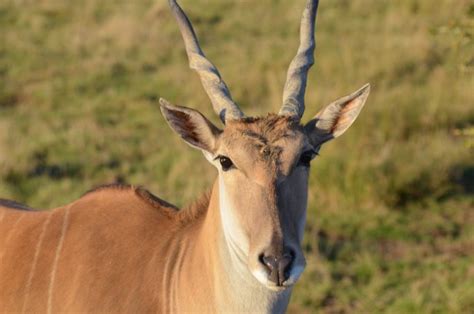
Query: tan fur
{"points": [[105, 252]]}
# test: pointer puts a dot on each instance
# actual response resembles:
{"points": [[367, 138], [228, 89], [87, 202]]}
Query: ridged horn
{"points": [[211, 80], [295, 86]]}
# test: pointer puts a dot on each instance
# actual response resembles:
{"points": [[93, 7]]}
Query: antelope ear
{"points": [[337, 117], [191, 125]]}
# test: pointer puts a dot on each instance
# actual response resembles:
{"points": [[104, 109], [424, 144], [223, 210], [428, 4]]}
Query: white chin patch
{"points": [[262, 276]]}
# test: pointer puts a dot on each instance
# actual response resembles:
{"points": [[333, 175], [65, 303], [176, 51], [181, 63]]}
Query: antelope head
{"points": [[263, 162]]}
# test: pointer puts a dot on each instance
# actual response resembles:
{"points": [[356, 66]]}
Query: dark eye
{"points": [[226, 163], [305, 158]]}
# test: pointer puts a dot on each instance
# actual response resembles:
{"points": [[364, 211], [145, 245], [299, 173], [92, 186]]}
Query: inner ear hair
{"points": [[333, 120], [191, 125]]}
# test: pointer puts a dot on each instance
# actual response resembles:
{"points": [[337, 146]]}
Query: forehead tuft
{"points": [[266, 129]]}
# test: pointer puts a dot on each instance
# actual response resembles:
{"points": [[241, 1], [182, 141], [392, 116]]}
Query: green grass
{"points": [[391, 212]]}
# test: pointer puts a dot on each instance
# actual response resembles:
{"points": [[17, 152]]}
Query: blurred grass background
{"points": [[391, 211]]}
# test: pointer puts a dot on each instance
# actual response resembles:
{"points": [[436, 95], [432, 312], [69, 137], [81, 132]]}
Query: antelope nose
{"points": [[278, 267]]}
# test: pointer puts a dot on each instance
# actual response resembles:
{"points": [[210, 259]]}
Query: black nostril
{"points": [[270, 261]]}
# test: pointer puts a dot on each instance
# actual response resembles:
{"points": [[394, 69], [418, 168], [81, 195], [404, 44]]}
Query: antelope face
{"points": [[263, 168], [263, 163]]}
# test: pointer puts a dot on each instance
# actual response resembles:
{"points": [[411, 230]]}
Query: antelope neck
{"points": [[214, 267]]}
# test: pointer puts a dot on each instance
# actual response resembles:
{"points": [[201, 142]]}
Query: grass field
{"points": [[391, 211]]}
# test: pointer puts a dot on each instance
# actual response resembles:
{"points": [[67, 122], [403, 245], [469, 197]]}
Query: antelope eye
{"points": [[305, 158], [225, 162]]}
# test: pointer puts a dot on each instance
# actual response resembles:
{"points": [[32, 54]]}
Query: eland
{"points": [[238, 248]]}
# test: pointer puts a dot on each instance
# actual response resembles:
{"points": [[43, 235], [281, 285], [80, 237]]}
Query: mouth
{"points": [[278, 288], [278, 285]]}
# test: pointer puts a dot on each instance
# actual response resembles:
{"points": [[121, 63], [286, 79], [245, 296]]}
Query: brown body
{"points": [[116, 249], [74, 257]]}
